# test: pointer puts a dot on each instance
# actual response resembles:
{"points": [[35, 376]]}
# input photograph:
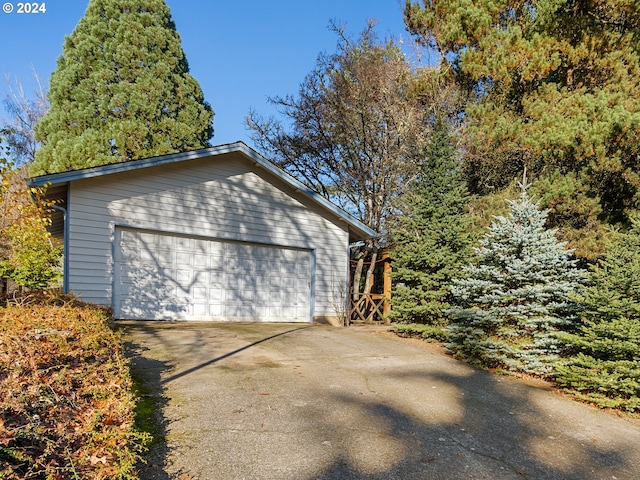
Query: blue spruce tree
{"points": [[513, 301]]}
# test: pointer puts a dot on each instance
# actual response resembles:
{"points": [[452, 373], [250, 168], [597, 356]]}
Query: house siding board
{"points": [[218, 198], [88, 237]]}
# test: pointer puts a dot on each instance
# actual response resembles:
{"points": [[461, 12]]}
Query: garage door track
{"points": [[295, 401]]}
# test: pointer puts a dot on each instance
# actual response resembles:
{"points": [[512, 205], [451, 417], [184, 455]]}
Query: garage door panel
{"points": [[289, 255], [185, 243], [289, 268], [199, 293], [216, 295], [162, 276], [233, 281], [262, 296], [145, 238], [184, 277], [239, 311], [182, 295], [262, 270], [184, 259], [290, 285], [199, 310], [213, 263], [213, 250], [142, 275], [300, 299], [275, 296], [158, 311], [234, 266]]}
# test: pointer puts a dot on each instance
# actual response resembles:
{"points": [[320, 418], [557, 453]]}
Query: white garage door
{"points": [[169, 277]]}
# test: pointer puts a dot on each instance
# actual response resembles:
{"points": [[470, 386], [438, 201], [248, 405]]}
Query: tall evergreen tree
{"points": [[121, 91], [605, 367], [553, 85], [518, 296], [432, 241]]}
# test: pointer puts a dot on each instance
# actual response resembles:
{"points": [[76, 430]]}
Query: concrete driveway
{"points": [[302, 402]]}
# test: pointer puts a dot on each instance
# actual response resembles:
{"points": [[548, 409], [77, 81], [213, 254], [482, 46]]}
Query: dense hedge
{"points": [[429, 333], [66, 407]]}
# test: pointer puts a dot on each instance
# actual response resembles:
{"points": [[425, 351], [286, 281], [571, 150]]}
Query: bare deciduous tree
{"points": [[356, 128], [24, 112], [356, 132]]}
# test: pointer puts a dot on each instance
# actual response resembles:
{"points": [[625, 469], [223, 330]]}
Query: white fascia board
{"points": [[259, 160]]}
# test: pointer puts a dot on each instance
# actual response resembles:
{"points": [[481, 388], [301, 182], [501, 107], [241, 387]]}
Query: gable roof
{"points": [[58, 183]]}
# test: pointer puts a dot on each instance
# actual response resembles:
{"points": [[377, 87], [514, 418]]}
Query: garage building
{"points": [[214, 234]]}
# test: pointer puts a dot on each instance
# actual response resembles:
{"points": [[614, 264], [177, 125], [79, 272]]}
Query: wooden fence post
{"points": [[387, 284]]}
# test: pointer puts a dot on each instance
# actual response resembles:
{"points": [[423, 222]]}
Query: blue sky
{"points": [[241, 52]]}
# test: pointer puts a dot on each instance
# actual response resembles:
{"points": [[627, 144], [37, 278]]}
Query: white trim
{"points": [[239, 147]]}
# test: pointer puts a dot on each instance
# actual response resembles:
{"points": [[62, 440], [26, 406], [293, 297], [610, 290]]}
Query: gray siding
{"points": [[218, 197]]}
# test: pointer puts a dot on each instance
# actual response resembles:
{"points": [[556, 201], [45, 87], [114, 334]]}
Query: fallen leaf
{"points": [[95, 460]]}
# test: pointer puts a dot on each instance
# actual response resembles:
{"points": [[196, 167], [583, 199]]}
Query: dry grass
{"points": [[66, 407]]}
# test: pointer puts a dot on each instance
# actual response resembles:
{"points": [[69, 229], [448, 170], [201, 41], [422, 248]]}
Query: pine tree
{"points": [[121, 91], [512, 303], [606, 366], [551, 85], [432, 241]]}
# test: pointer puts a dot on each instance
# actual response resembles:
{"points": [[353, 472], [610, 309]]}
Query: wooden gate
{"points": [[372, 307]]}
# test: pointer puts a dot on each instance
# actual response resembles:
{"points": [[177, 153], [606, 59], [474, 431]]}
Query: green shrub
{"points": [[430, 333], [35, 258], [29, 255]]}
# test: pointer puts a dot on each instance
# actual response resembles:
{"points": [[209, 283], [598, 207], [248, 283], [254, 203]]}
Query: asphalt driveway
{"points": [[274, 401]]}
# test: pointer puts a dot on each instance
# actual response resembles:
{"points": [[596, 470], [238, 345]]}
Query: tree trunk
{"points": [[356, 279], [368, 282]]}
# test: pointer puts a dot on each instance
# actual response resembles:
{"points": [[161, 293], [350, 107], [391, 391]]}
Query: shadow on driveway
{"points": [[292, 402], [227, 355]]}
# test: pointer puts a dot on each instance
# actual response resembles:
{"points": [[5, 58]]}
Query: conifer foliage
{"points": [[432, 241], [512, 303], [121, 91], [605, 367], [553, 85]]}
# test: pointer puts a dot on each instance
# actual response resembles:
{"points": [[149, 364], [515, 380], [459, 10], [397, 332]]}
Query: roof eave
{"points": [[358, 230]]}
